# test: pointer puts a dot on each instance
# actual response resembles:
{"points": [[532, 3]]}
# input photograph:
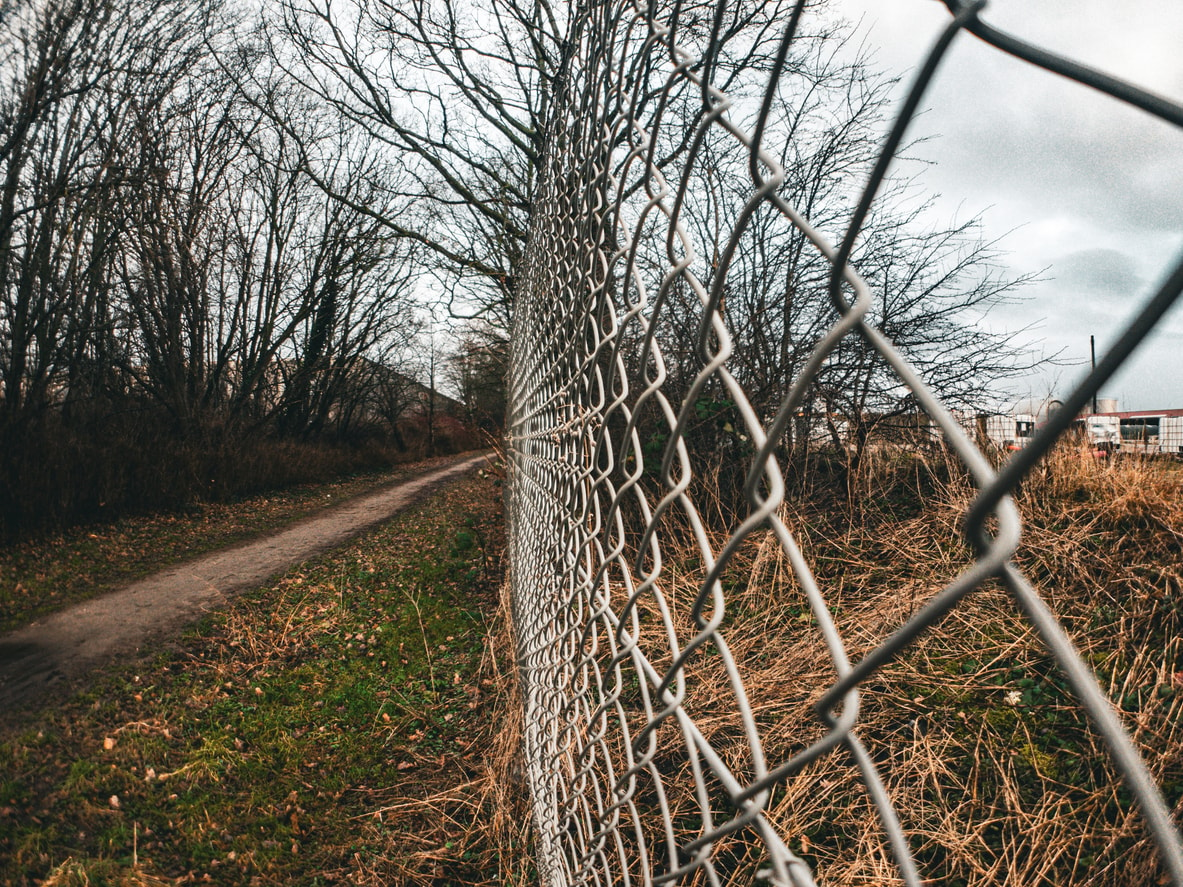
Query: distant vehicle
{"points": [[1007, 432], [1150, 432], [1103, 432]]}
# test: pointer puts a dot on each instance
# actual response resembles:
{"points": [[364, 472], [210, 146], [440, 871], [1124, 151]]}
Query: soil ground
{"points": [[56, 654]]}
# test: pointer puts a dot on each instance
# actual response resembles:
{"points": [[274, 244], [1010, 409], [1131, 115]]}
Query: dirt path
{"points": [[59, 651]]}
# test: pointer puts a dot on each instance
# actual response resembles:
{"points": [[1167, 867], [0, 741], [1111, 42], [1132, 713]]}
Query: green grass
{"points": [[39, 576], [335, 727]]}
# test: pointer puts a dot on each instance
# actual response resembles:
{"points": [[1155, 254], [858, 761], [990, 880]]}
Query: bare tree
{"points": [[465, 95], [76, 70], [477, 370], [166, 245], [933, 282]]}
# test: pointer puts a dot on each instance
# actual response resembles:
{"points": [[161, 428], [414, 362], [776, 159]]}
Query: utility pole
{"points": [[1093, 354]]}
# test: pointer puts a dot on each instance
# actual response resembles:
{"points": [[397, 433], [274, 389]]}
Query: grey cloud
{"points": [[1041, 144], [1098, 271]]}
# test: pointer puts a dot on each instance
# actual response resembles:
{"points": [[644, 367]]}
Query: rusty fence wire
{"points": [[648, 760]]}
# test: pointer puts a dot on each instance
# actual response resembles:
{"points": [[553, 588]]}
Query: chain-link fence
{"points": [[650, 519]]}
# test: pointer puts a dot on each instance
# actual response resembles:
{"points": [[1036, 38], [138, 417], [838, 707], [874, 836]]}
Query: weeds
{"points": [[994, 769], [336, 727]]}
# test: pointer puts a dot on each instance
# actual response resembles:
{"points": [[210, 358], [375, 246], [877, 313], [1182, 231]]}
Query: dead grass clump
{"points": [[76, 873]]}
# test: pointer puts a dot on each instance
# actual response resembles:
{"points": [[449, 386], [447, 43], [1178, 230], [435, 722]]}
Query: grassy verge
{"points": [[345, 725], [39, 576]]}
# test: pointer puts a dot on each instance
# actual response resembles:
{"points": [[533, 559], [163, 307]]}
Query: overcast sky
{"points": [[1091, 189]]}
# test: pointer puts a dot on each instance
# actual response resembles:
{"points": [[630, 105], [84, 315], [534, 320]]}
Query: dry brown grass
{"points": [[994, 770], [71, 873]]}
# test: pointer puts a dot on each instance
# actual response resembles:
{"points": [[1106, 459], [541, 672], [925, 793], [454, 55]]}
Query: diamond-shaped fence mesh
{"points": [[674, 732]]}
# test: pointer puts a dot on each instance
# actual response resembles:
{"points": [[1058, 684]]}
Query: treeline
{"points": [[183, 310]]}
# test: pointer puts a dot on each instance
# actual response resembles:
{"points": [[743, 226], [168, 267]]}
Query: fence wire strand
{"points": [[618, 643]]}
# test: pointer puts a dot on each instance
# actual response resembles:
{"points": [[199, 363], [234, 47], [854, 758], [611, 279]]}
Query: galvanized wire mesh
{"points": [[646, 760]]}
